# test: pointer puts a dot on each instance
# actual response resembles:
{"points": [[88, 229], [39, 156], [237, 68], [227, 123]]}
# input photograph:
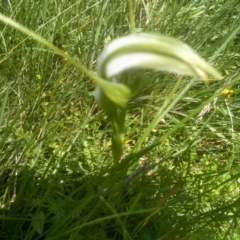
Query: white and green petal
{"points": [[148, 51], [151, 51]]}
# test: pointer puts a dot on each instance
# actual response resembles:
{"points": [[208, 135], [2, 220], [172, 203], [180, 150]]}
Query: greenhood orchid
{"points": [[141, 51]]}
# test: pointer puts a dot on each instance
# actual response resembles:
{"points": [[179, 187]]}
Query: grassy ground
{"points": [[57, 176]]}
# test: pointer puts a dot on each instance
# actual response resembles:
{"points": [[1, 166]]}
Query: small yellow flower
{"points": [[227, 92], [128, 141]]}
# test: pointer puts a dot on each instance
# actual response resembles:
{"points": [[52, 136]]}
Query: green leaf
{"points": [[38, 222], [111, 95]]}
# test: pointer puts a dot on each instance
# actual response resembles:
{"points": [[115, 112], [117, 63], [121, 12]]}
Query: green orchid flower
{"points": [[141, 51]]}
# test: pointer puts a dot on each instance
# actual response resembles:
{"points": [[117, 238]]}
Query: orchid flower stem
{"points": [[118, 121]]}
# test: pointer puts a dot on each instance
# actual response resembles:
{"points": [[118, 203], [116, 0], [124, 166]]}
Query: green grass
{"points": [[58, 180]]}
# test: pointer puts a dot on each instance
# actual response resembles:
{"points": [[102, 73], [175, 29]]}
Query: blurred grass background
{"points": [[57, 177]]}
